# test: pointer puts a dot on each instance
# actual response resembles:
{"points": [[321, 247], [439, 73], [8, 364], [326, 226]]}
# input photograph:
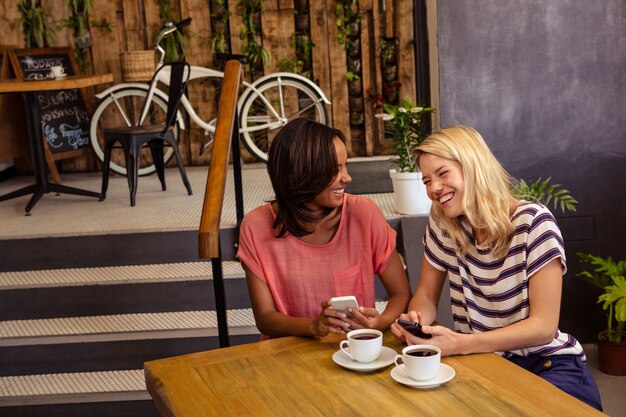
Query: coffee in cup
{"points": [[363, 345], [58, 71], [420, 362]]}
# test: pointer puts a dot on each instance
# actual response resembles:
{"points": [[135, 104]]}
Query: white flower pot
{"points": [[409, 192]]}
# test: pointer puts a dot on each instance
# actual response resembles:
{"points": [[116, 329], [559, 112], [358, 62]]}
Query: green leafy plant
{"points": [[78, 21], [609, 276], [387, 49], [174, 43], [38, 32], [351, 76], [103, 24], [348, 18], [545, 193], [258, 56], [406, 123]]}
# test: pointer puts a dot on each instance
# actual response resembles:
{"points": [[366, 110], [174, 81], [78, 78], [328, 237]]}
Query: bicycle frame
{"points": [[198, 72]]}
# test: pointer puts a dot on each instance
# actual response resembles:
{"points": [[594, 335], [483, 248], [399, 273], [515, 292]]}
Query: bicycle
{"points": [[264, 106]]}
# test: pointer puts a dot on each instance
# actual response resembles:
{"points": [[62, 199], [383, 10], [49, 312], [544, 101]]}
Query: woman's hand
{"points": [[442, 337], [364, 318], [401, 333], [330, 321]]}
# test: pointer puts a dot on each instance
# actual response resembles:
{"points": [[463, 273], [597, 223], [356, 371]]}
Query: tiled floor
{"points": [[612, 388]]}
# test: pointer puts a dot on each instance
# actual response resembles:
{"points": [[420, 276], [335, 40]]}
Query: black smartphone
{"points": [[414, 328]]}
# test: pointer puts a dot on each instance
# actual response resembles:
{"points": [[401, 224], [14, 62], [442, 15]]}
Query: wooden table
{"points": [[28, 89], [295, 376]]}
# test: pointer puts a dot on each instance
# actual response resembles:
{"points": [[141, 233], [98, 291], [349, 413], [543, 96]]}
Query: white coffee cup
{"points": [[420, 362], [58, 71], [363, 345]]}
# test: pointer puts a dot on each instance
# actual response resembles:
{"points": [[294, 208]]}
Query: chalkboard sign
{"points": [[64, 117]]}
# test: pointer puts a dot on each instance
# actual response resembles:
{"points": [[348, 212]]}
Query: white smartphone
{"points": [[343, 303]]}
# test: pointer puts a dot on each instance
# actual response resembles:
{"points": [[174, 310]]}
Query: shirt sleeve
{"points": [[544, 243], [247, 252], [438, 247]]}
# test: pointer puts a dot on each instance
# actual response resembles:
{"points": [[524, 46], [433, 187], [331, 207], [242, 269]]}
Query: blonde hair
{"points": [[487, 198]]}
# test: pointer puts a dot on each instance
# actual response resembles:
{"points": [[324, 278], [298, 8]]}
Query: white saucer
{"points": [[386, 358], [445, 374], [60, 77]]}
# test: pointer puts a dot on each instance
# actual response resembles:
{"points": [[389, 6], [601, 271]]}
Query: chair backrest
{"points": [[179, 78]]}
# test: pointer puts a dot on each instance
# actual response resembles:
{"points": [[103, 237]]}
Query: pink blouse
{"points": [[300, 275]]}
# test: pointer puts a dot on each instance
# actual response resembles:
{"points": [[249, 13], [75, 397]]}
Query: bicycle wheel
{"points": [[123, 108], [289, 98]]}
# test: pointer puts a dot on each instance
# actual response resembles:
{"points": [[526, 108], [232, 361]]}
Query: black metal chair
{"points": [[155, 136]]}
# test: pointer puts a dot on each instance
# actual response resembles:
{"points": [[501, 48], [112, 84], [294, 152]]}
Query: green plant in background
{"points": [[251, 11], [348, 18], [351, 76], [387, 49], [34, 21], [102, 24], [220, 16], [174, 43], [406, 123], [297, 64], [609, 276], [79, 23], [545, 193]]}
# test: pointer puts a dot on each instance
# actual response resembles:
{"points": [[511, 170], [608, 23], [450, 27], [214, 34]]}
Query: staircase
{"points": [[74, 340]]}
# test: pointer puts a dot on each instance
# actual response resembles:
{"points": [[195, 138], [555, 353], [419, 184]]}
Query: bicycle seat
{"points": [[227, 57]]}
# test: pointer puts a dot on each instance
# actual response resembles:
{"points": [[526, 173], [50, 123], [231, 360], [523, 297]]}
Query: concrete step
{"points": [[98, 343], [72, 292], [78, 387]]}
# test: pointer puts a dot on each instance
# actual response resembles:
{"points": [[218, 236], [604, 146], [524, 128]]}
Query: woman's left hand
{"points": [[364, 318]]}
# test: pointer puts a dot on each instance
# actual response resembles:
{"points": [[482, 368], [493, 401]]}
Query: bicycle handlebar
{"points": [[169, 28], [183, 23]]}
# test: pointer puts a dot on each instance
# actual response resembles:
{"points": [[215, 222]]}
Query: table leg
{"points": [[42, 185]]}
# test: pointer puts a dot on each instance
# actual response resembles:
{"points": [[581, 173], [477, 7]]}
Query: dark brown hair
{"points": [[302, 162]]}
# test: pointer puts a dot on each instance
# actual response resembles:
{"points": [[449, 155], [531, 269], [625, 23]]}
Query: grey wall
{"points": [[544, 81]]}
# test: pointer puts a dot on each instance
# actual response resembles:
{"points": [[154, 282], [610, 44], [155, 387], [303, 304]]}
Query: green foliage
{"points": [[174, 43], [387, 49], [406, 123], [37, 30], [257, 55], [103, 24], [218, 42], [78, 21], [348, 17], [608, 275], [351, 76], [545, 193]]}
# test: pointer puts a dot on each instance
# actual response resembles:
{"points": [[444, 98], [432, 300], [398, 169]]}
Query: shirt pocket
{"points": [[349, 282]]}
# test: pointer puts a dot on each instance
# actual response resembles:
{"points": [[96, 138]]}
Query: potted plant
{"points": [[610, 277], [406, 123]]}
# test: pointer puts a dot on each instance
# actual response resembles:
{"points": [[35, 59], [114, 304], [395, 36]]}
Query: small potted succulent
{"points": [[610, 277], [407, 124]]}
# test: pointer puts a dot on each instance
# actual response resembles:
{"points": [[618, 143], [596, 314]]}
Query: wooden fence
{"points": [[349, 73]]}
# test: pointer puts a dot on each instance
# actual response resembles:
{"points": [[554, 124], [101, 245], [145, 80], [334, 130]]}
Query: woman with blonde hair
{"points": [[504, 259]]}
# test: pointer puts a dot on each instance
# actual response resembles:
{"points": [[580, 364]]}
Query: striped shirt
{"points": [[488, 293]]}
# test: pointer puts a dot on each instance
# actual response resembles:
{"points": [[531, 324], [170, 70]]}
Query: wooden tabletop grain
{"points": [[296, 376], [72, 81]]}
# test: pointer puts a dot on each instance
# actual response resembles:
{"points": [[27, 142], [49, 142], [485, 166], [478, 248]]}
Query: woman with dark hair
{"points": [[314, 242]]}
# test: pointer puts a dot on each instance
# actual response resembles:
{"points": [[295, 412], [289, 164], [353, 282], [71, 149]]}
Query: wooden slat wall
{"points": [[134, 23]]}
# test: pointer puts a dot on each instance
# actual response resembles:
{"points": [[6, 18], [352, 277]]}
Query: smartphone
{"points": [[414, 328], [343, 303]]}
